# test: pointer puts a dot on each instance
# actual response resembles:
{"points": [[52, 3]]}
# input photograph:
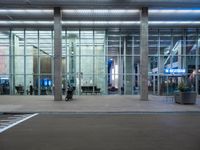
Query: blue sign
{"points": [[174, 71]]}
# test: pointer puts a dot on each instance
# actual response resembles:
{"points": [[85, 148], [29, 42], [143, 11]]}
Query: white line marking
{"points": [[13, 117], [18, 122], [5, 120], [4, 123], [3, 126]]}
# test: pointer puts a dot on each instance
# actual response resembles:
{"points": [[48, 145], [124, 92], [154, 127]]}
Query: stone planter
{"points": [[185, 97]]}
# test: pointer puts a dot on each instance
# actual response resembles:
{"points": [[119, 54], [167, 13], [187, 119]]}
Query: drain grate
{"points": [[12, 120]]}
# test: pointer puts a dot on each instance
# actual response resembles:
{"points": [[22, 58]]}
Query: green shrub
{"points": [[182, 86]]}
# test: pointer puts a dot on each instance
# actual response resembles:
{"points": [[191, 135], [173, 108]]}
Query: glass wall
{"points": [[5, 56], [123, 62], [173, 57], [84, 61], [26, 62], [98, 61]]}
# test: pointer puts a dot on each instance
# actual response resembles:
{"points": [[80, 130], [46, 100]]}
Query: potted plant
{"points": [[185, 95], [182, 87]]}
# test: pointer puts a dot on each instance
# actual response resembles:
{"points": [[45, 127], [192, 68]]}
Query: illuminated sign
{"points": [[174, 71]]}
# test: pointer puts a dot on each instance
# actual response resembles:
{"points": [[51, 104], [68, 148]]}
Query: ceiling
{"points": [[99, 13], [96, 4]]}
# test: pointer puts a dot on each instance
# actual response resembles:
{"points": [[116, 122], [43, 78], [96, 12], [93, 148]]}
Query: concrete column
{"points": [[144, 53], [57, 55]]}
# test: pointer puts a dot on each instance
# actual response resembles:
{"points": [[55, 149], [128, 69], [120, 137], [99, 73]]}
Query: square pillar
{"points": [[144, 53], [57, 54]]}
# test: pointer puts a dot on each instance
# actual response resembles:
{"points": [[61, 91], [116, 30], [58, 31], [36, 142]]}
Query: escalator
{"points": [[176, 49]]}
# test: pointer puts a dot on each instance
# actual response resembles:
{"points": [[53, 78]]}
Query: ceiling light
{"points": [[100, 11], [26, 11], [100, 22], [158, 11], [27, 22], [174, 22]]}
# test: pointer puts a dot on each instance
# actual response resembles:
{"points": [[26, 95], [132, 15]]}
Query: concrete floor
{"points": [[114, 103], [165, 131]]}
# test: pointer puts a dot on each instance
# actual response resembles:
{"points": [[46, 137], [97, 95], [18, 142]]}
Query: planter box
{"points": [[185, 97]]}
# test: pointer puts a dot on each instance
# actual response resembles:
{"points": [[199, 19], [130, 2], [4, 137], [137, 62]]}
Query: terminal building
{"points": [[100, 47]]}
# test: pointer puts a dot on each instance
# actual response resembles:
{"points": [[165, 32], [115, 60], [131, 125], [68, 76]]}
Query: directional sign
{"points": [[174, 71]]}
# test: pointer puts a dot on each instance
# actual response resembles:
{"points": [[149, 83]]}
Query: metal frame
{"points": [[159, 55]]}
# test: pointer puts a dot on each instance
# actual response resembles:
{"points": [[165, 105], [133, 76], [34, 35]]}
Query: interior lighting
{"points": [[26, 11], [113, 74], [158, 11], [27, 22], [174, 22], [100, 11], [100, 22], [130, 22], [116, 71]]}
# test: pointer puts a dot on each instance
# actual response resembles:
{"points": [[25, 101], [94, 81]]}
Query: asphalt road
{"points": [[105, 132]]}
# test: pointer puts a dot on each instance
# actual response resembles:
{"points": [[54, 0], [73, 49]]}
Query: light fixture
{"points": [[26, 11], [100, 11], [100, 22], [173, 11], [174, 22], [27, 22], [130, 22]]}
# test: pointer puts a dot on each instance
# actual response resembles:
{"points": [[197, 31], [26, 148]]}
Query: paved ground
{"points": [[165, 131], [5, 116], [102, 123], [92, 104]]}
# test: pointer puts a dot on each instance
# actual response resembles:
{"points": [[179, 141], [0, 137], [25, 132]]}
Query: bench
{"points": [[90, 89]]}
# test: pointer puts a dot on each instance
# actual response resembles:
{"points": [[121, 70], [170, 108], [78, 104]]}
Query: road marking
{"points": [[14, 117], [25, 117], [5, 120], [5, 123]]}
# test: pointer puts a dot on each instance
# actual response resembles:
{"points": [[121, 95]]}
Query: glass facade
{"points": [[106, 61], [26, 60], [176, 50]]}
